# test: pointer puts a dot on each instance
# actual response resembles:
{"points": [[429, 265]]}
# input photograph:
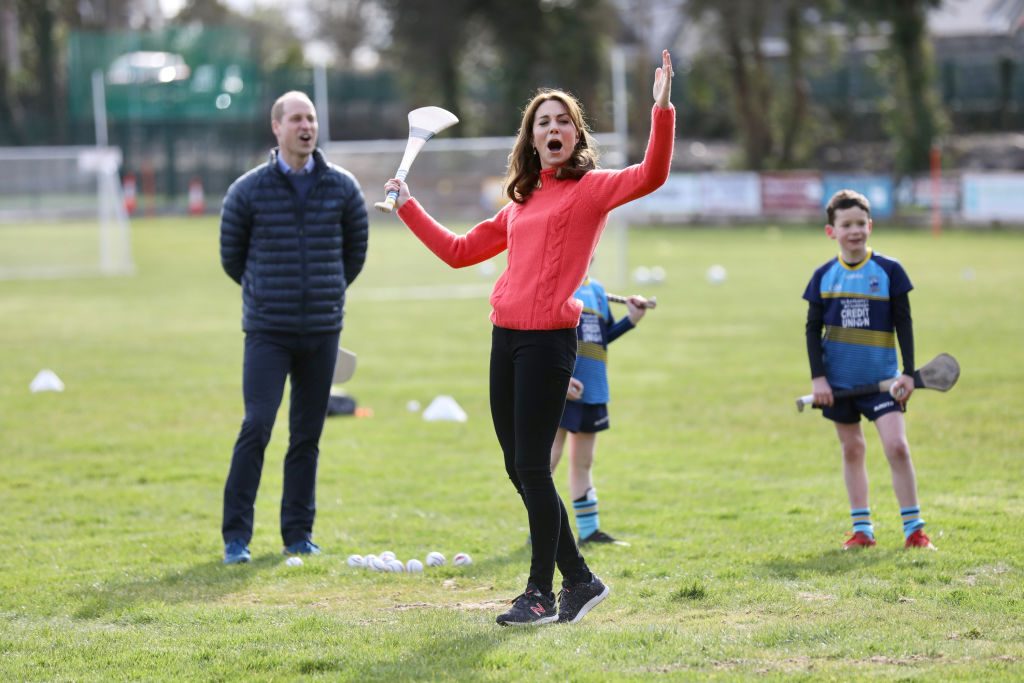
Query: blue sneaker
{"points": [[303, 547], [235, 552]]}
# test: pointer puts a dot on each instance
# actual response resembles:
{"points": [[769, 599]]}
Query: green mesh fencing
{"points": [[180, 73]]}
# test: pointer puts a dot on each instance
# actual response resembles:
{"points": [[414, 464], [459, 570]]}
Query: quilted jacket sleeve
{"points": [[355, 232], [235, 229]]}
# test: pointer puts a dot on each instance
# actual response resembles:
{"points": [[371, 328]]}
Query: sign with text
{"points": [[791, 194], [993, 196], [730, 194], [877, 188]]}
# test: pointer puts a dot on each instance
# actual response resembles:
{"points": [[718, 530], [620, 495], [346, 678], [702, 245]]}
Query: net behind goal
{"points": [[459, 180], [62, 213]]}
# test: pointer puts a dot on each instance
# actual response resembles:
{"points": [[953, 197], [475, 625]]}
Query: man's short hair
{"points": [[846, 199], [277, 111]]}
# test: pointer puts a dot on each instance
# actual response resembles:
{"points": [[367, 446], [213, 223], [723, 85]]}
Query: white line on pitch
{"points": [[421, 292]]}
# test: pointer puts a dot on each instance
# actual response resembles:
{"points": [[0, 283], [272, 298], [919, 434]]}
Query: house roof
{"points": [[977, 18]]}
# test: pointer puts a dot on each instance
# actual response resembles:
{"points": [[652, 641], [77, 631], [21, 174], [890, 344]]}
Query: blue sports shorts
{"points": [[872, 406], [584, 417]]}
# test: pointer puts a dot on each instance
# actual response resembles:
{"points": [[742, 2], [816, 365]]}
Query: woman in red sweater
{"points": [[560, 204]]}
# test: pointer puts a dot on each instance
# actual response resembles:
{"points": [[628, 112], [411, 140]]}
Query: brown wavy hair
{"points": [[523, 163]]}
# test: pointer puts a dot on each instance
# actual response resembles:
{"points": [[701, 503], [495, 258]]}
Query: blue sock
{"points": [[862, 521], [911, 520], [585, 508]]}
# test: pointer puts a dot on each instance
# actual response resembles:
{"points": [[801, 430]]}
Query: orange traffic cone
{"points": [[196, 203], [130, 193]]}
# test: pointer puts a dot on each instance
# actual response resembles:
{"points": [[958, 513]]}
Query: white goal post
{"points": [[459, 180], [62, 213]]}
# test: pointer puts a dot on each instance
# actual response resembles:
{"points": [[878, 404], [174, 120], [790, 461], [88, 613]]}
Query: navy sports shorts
{"points": [[584, 417], [872, 406]]}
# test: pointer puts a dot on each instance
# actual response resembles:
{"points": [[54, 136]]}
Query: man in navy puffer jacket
{"points": [[293, 234]]}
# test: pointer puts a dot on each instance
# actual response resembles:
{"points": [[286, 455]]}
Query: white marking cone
{"points": [[46, 380], [444, 408]]}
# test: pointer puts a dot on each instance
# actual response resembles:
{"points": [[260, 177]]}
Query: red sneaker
{"points": [[919, 539], [858, 539]]}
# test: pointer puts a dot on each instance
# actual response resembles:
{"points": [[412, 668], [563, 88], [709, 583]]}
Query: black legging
{"points": [[530, 371]]}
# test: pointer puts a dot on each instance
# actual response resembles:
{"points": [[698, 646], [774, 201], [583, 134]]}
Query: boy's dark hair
{"points": [[846, 199]]}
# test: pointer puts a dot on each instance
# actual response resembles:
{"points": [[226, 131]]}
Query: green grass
{"points": [[733, 502]]}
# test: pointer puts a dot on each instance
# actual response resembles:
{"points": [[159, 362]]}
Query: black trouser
{"points": [[270, 357], [530, 371]]}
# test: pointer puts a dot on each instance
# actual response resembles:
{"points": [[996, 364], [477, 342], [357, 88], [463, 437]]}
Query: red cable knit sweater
{"points": [[551, 237]]}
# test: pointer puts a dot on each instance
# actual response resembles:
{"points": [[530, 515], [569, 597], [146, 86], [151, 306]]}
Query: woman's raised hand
{"points": [[663, 81]]}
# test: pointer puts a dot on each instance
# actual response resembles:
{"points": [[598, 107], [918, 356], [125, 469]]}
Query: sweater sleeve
{"points": [[615, 188], [483, 241]]}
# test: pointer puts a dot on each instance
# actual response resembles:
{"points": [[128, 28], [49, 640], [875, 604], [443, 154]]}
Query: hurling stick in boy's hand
{"points": [[424, 123], [940, 374], [619, 299]]}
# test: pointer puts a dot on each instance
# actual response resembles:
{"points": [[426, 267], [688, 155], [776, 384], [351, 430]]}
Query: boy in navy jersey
{"points": [[586, 410], [860, 299]]}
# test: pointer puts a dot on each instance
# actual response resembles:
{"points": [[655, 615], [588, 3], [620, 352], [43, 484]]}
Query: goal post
{"points": [[62, 213], [459, 180]]}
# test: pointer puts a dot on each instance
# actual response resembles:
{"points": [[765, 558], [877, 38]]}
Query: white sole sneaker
{"points": [[589, 605]]}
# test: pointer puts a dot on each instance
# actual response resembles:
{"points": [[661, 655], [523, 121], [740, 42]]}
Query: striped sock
{"points": [[585, 508], [862, 521], [911, 520]]}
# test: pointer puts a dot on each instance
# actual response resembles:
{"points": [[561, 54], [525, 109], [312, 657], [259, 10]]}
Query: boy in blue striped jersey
{"points": [[861, 301], [586, 410]]}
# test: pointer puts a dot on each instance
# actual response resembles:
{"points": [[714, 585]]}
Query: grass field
{"points": [[733, 502]]}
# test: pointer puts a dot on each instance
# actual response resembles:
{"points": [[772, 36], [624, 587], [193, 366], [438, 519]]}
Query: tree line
{"points": [[745, 65]]}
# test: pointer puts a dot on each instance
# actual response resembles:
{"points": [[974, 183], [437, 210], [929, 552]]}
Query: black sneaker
{"points": [[532, 608], [601, 537], [576, 600]]}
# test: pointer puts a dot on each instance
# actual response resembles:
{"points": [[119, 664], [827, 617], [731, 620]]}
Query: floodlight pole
{"points": [[99, 108], [320, 100], [620, 109]]}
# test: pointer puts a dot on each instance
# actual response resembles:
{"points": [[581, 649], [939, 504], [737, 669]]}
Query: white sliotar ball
{"points": [[462, 559], [377, 564], [395, 566], [413, 406], [387, 555], [435, 559], [642, 275], [294, 561], [716, 274], [657, 274], [414, 566], [356, 561]]}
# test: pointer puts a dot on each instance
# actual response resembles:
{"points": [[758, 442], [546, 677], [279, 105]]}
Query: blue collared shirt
{"points": [[287, 170]]}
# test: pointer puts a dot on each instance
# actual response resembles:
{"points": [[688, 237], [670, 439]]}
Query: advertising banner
{"points": [[993, 196], [877, 188], [797, 195]]}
